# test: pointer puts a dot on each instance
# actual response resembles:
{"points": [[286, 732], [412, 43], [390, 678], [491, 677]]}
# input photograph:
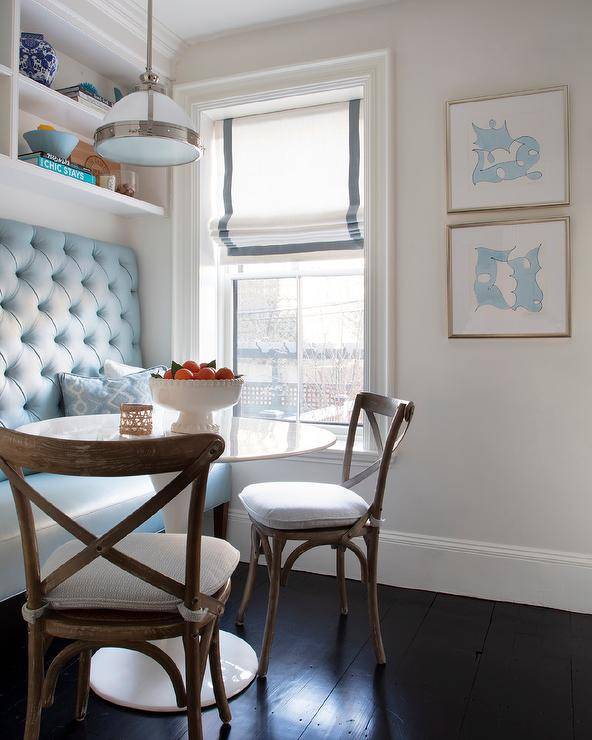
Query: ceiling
{"points": [[191, 20]]}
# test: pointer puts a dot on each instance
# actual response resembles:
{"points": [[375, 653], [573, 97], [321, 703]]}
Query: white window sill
{"points": [[334, 455]]}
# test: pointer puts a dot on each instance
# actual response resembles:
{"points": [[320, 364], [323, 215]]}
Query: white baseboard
{"points": [[561, 580]]}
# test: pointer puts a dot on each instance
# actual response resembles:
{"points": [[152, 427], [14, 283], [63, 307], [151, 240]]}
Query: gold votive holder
{"points": [[135, 419]]}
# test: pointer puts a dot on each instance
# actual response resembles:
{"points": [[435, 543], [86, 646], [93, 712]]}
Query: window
{"points": [[204, 274], [287, 220], [299, 340]]}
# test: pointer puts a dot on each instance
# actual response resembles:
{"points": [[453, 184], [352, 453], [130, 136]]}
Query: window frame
{"points": [[196, 278]]}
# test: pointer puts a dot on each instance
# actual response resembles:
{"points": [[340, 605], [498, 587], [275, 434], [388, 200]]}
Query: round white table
{"points": [[129, 678]]}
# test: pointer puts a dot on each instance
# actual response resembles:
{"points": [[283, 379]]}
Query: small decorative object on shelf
{"points": [[88, 96], [108, 182], [89, 88], [51, 149], [97, 166], [127, 183], [135, 419], [46, 139], [38, 59], [52, 164]]}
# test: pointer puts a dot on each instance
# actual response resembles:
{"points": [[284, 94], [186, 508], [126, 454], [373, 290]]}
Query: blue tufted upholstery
{"points": [[67, 303]]}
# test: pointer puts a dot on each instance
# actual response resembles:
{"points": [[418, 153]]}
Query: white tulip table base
{"points": [[132, 679]]}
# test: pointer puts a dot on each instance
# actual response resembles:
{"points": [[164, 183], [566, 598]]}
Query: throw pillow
{"points": [[101, 395]]}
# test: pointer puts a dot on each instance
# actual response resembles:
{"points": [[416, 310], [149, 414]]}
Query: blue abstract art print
{"points": [[491, 140], [527, 292], [509, 279], [508, 151]]}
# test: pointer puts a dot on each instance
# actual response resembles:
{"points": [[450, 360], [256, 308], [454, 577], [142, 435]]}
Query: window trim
{"points": [[194, 333]]}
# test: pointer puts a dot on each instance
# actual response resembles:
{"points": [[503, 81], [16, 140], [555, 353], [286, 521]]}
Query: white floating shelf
{"points": [[4, 70], [29, 177], [51, 105], [72, 31]]}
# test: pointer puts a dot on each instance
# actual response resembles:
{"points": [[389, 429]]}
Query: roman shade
{"points": [[289, 183]]}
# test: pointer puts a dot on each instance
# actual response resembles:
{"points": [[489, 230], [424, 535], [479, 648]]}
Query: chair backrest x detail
{"points": [[187, 455], [399, 414]]}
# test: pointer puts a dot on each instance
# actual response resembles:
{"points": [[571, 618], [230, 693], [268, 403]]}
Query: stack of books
{"points": [[60, 166], [87, 99]]}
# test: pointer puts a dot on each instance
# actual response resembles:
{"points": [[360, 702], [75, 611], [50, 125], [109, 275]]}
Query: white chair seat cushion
{"points": [[102, 585], [302, 505]]}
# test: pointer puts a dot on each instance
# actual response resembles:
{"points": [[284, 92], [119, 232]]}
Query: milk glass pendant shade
{"points": [[146, 127], [133, 134]]}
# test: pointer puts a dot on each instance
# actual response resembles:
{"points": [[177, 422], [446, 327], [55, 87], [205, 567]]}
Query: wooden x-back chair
{"points": [[274, 507], [180, 608]]}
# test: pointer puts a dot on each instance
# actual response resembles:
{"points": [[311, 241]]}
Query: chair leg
{"points": [[266, 549], [206, 639], [340, 553], [255, 551], [221, 520], [217, 678], [272, 604], [83, 684], [192, 681], [34, 681], [373, 613]]}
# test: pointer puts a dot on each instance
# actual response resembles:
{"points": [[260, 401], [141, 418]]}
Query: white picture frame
{"points": [[508, 151], [509, 279]]}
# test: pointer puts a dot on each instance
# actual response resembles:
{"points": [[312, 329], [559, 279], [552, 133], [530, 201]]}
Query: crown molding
{"points": [[353, 7], [131, 15]]}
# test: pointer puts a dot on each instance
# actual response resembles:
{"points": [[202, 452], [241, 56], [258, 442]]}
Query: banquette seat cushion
{"points": [[67, 304]]}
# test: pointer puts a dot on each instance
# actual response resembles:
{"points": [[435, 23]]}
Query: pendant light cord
{"points": [[149, 74], [149, 78], [149, 39]]}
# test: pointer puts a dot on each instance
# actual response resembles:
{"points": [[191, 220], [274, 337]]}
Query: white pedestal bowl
{"points": [[196, 401]]}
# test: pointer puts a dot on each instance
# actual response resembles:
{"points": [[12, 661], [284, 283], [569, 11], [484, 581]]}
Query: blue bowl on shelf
{"points": [[59, 143]]}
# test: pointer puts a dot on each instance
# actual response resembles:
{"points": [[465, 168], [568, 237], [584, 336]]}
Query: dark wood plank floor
{"points": [[457, 668]]}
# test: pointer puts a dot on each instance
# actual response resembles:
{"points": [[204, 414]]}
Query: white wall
{"points": [[55, 214], [151, 238], [493, 492]]}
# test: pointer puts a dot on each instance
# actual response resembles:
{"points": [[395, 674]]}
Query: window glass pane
{"points": [[332, 347], [265, 346], [299, 341]]}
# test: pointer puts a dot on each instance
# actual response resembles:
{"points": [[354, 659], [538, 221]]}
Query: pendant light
{"points": [[146, 127]]}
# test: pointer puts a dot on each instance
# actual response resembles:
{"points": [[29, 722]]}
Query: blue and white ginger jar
{"points": [[38, 59]]}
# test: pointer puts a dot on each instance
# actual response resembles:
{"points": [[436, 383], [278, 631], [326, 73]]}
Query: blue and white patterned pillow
{"points": [[101, 395]]}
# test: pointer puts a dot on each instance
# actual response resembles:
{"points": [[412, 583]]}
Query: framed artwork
{"points": [[509, 279], [508, 151]]}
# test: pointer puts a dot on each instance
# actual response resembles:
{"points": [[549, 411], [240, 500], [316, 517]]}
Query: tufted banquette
{"points": [[67, 303]]}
